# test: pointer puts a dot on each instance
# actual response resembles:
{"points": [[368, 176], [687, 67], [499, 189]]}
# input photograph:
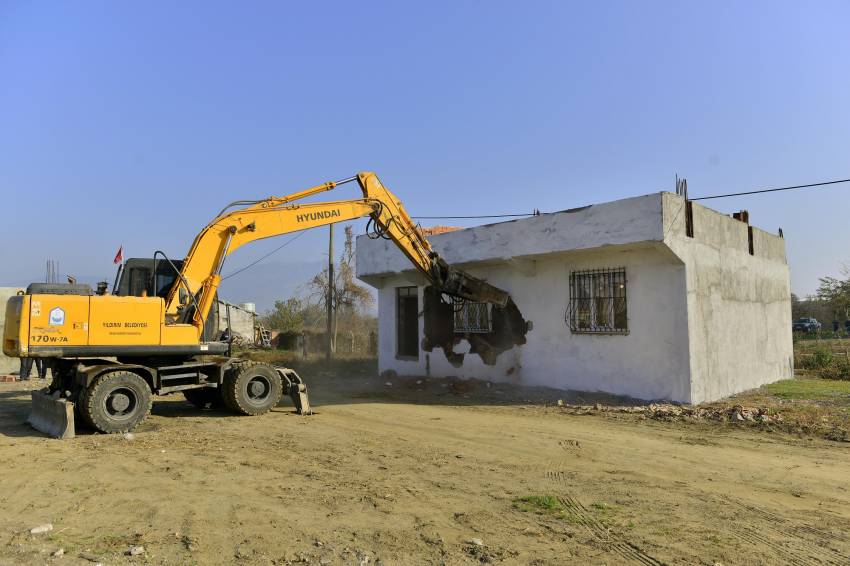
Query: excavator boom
{"points": [[194, 290]]}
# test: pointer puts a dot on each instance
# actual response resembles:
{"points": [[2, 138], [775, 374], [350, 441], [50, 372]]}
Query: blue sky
{"points": [[134, 123]]}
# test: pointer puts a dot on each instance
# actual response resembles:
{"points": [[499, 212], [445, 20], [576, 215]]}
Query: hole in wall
{"points": [[508, 330]]}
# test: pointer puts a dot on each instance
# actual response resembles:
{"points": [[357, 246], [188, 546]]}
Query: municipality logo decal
{"points": [[57, 317]]}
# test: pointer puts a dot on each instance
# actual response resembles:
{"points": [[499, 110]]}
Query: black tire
{"points": [[251, 388], [116, 401], [204, 398], [79, 412]]}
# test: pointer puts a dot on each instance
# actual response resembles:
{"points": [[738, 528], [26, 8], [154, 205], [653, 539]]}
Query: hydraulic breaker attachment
{"points": [[295, 388], [453, 281], [52, 415]]}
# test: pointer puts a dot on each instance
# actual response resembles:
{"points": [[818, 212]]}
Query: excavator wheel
{"points": [[205, 398], [251, 388], [79, 413], [116, 401]]}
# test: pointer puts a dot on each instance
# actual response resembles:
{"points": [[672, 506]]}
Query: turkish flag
{"points": [[119, 257]]}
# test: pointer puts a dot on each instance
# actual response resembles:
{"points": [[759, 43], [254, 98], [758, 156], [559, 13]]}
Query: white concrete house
{"points": [[650, 297], [7, 365]]}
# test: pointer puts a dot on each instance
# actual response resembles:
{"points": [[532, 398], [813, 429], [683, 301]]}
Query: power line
{"points": [[252, 264], [473, 216], [774, 190], [759, 191]]}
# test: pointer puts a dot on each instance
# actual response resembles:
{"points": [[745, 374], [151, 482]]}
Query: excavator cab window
{"points": [[139, 281], [136, 278]]}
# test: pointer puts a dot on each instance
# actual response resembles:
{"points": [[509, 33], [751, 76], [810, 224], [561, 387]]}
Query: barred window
{"points": [[472, 317], [598, 302]]}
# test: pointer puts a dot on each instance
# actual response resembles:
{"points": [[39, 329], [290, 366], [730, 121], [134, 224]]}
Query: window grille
{"points": [[598, 302], [473, 317]]}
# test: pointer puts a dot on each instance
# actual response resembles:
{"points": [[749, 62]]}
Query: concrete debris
{"points": [[508, 330], [59, 552], [129, 436], [135, 550], [670, 412], [41, 529], [476, 541]]}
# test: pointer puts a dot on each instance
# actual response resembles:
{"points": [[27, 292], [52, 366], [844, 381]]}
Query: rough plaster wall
{"points": [[739, 305], [7, 365], [615, 223], [651, 362], [241, 320]]}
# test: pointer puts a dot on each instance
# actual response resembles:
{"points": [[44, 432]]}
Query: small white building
{"points": [[651, 297], [242, 320], [7, 365]]}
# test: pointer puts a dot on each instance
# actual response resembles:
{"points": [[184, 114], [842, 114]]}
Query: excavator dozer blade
{"points": [[52, 415]]}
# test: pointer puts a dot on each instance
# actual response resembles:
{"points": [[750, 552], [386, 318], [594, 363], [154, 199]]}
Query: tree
{"points": [[836, 293], [348, 296], [286, 316]]}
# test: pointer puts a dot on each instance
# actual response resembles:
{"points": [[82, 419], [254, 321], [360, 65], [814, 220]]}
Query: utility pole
{"points": [[330, 297]]}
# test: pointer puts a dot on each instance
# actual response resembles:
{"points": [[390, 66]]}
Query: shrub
{"points": [[819, 358], [838, 369]]}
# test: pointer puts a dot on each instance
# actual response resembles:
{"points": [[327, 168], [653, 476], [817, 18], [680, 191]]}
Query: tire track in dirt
{"points": [[779, 519], [785, 553], [600, 532], [579, 514], [794, 548]]}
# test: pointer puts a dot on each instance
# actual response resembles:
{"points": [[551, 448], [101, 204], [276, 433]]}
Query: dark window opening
{"points": [[598, 302], [407, 322], [750, 239], [689, 219]]}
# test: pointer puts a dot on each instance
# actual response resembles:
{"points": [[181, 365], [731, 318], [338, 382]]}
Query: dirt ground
{"points": [[421, 472]]}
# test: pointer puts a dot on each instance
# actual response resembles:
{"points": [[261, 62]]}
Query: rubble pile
{"points": [[671, 412]]}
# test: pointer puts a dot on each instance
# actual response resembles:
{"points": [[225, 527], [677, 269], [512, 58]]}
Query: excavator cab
{"points": [[136, 279]]}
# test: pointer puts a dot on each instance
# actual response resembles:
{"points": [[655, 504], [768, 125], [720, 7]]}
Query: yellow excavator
{"points": [[109, 353]]}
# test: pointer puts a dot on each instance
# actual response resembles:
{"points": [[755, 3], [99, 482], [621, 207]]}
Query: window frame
{"points": [[595, 291], [411, 291]]}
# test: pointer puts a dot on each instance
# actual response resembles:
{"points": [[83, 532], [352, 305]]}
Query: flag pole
{"points": [[120, 270]]}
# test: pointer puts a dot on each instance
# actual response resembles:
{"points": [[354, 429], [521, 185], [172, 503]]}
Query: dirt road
{"points": [[416, 474]]}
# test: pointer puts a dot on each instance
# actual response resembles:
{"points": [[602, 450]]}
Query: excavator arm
{"points": [[194, 290]]}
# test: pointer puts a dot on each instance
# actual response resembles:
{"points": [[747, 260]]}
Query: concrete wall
{"points": [[739, 305], [242, 321], [7, 365], [651, 362]]}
